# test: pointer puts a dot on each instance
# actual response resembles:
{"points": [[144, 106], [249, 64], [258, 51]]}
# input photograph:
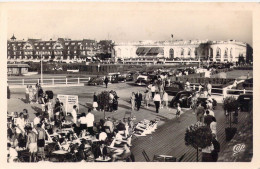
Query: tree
{"points": [[198, 136], [230, 104]]}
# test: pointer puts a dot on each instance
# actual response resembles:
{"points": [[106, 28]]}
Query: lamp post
{"points": [[41, 70]]}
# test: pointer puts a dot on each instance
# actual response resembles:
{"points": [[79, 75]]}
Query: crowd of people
{"points": [[73, 133]]}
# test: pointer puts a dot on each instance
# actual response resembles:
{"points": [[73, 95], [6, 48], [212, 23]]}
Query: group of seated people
{"points": [[109, 138]]}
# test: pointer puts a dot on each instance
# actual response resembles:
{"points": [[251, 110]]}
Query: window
{"points": [[226, 52], [182, 52], [171, 53], [189, 50], [231, 55], [218, 52]]}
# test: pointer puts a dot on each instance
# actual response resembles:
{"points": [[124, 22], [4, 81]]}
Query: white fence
{"points": [[49, 81]]}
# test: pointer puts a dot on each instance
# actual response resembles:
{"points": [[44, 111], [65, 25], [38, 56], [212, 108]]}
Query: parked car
{"points": [[96, 81], [121, 78], [174, 88], [245, 102], [141, 81], [185, 100], [182, 97], [129, 77]]}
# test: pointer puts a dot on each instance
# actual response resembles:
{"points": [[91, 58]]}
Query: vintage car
{"points": [[174, 88], [245, 102], [141, 81], [96, 81], [182, 97], [185, 100]]}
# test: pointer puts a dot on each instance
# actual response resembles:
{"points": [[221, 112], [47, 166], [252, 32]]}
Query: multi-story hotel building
{"points": [[64, 50], [182, 50]]}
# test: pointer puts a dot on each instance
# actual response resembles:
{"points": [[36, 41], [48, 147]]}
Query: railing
{"points": [[225, 91], [50, 81]]}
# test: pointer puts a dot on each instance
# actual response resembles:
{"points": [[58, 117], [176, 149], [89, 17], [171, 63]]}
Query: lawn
{"points": [[240, 74]]}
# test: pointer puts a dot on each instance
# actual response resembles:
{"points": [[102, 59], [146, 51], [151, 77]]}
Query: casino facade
{"points": [[218, 51]]}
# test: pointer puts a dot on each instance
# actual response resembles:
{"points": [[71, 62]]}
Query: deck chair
{"points": [[157, 158], [170, 159], [146, 156], [181, 158], [128, 113]]}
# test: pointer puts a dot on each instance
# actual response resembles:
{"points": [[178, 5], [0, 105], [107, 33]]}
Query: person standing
{"points": [[132, 99], [209, 87], [90, 122], [111, 101], [31, 95], [157, 101], [213, 126], [138, 99], [165, 99], [147, 98], [200, 88], [106, 81], [83, 122], [216, 148], [41, 140], [27, 94], [95, 104], [32, 144], [40, 94], [8, 92], [153, 90], [74, 114], [36, 120]]}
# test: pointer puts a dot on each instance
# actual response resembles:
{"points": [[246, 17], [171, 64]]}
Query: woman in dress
{"points": [[27, 94], [147, 97], [95, 104], [31, 94], [132, 99]]}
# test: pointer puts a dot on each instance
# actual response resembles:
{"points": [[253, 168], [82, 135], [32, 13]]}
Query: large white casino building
{"points": [[219, 51]]}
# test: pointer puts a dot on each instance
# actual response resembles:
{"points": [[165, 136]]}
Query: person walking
{"points": [[213, 126], [216, 148], [138, 99], [106, 81], [132, 99], [200, 113], [157, 101], [147, 98], [208, 118], [178, 112]]}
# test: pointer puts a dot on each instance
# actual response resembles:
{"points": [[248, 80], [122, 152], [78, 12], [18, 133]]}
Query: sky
{"points": [[125, 24]]}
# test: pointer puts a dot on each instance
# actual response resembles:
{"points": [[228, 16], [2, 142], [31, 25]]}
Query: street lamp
{"points": [[41, 70]]}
